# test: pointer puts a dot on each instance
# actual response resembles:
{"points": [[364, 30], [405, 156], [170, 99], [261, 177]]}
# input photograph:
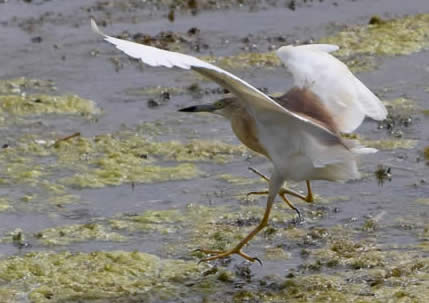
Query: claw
{"points": [[255, 171], [201, 261], [300, 219], [258, 260]]}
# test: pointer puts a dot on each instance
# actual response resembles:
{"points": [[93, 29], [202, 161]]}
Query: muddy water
{"points": [[51, 40]]}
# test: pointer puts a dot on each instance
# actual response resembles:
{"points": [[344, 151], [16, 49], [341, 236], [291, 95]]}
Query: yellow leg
{"points": [[275, 184], [308, 198], [282, 194]]}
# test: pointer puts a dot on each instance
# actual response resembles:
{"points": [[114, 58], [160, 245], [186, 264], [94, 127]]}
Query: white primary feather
{"points": [[344, 95], [157, 57], [328, 48], [276, 124]]}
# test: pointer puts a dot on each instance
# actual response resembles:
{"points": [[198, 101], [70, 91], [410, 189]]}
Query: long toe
{"points": [[228, 253], [257, 193], [208, 251]]}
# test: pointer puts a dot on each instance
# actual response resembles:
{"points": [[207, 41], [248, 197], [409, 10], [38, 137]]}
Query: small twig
{"points": [[67, 138]]}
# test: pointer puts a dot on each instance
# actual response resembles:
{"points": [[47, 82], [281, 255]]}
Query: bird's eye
{"points": [[218, 105]]}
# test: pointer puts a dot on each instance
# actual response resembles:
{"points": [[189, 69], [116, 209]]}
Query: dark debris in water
{"points": [[246, 221], [395, 123], [256, 42], [198, 92], [169, 40], [244, 271], [192, 7], [162, 99], [383, 174]]}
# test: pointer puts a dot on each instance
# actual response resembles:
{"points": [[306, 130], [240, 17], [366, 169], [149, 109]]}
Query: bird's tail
{"points": [[358, 149], [346, 169]]}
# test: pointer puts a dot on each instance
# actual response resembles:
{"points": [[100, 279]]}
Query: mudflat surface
{"points": [[115, 182]]}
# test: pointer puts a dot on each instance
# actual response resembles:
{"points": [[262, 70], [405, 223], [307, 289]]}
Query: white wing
{"points": [[272, 118], [344, 95]]}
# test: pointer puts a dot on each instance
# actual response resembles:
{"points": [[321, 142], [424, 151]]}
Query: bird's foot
{"points": [[282, 194], [257, 193], [218, 254], [309, 199], [283, 190], [296, 209]]}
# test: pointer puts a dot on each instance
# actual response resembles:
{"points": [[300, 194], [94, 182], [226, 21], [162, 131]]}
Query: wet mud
{"points": [[106, 190]]}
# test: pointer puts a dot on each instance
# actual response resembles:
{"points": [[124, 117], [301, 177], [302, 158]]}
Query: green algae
{"points": [[24, 85], [155, 91], [245, 60], [238, 180], [407, 279], [364, 271], [23, 97], [103, 160], [26, 172], [370, 225], [169, 220], [424, 201], [161, 221], [199, 226], [276, 254], [5, 204], [65, 235], [340, 249], [71, 277], [198, 150], [426, 152], [28, 105], [125, 159], [15, 236], [403, 106], [8, 295], [140, 148], [223, 228], [358, 45], [111, 174], [390, 144], [400, 36]]}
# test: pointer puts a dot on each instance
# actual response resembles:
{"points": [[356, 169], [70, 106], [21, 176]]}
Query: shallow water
{"points": [[392, 218]]}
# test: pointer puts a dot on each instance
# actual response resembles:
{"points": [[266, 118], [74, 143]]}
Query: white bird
{"points": [[300, 131]]}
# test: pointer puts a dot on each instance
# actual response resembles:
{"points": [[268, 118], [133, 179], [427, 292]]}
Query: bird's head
{"points": [[224, 107]]}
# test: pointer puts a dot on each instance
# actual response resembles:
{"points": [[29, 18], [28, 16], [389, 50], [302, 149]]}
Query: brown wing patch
{"points": [[244, 127], [304, 102]]}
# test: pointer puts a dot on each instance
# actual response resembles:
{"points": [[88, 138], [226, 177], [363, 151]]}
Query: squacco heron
{"points": [[298, 132], [243, 124]]}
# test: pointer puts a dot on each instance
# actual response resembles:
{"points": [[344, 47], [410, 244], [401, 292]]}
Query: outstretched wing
{"points": [[276, 123], [157, 57], [344, 95]]}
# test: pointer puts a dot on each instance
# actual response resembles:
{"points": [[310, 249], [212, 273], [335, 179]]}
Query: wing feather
{"points": [[271, 118], [157, 57], [344, 95]]}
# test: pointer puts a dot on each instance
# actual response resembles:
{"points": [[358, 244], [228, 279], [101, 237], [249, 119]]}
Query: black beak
{"points": [[207, 108], [189, 109]]}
